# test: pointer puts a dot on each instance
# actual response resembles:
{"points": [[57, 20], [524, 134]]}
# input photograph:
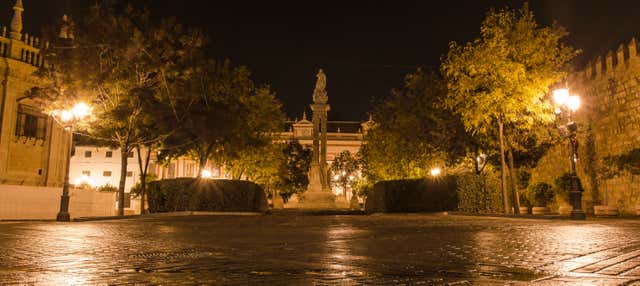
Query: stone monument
{"points": [[318, 194]]}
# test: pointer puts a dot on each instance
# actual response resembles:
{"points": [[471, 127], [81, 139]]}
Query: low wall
{"points": [[31, 202]]}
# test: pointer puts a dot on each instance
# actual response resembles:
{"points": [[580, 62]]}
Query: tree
{"points": [[412, 133], [344, 171], [121, 63], [223, 115], [501, 79], [293, 178]]}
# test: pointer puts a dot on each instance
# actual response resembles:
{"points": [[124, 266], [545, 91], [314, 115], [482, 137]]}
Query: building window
{"points": [[129, 174], [31, 122], [106, 173], [87, 154], [109, 154], [171, 171], [86, 173], [130, 154], [189, 169]]}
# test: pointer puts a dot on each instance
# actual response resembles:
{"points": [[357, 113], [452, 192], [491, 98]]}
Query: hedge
{"points": [[191, 194], [480, 193], [416, 195]]}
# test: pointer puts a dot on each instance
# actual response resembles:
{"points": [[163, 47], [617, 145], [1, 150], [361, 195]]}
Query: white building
{"points": [[100, 166]]}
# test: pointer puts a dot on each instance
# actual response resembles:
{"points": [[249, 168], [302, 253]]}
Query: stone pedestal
{"points": [[354, 204], [278, 203], [315, 197], [317, 200]]}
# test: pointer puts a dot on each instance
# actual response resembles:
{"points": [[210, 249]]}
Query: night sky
{"points": [[365, 47]]}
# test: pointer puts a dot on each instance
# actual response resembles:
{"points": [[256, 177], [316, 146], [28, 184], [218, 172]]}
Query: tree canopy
{"points": [[412, 133]]}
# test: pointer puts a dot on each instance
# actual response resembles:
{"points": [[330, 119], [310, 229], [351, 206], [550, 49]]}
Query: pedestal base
{"points": [[317, 200], [577, 215], [278, 203], [63, 216]]}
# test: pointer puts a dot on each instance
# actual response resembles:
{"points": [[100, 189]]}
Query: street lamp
{"points": [[67, 118], [435, 172], [571, 103]]}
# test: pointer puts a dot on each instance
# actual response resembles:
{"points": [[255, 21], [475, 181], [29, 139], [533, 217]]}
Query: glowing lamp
{"points": [[560, 96], [66, 115], [573, 102], [81, 110], [435, 172], [205, 174]]}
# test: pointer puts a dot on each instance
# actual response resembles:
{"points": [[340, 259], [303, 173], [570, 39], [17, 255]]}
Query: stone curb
{"points": [[168, 214], [560, 217]]}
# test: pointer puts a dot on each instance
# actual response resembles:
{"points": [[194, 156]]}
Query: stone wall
{"points": [[28, 202], [609, 124]]}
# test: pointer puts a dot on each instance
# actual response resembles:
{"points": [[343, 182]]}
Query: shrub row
{"points": [[191, 194], [416, 195]]}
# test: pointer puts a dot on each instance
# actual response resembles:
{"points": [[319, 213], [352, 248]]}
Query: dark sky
{"points": [[365, 47]]}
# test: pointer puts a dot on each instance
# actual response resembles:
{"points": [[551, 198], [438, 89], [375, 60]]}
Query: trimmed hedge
{"points": [[191, 194], [417, 195]]}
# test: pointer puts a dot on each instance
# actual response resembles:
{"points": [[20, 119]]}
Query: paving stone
{"points": [[288, 249]]}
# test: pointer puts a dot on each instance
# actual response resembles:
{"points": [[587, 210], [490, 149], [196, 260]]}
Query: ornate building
{"points": [[32, 145]]}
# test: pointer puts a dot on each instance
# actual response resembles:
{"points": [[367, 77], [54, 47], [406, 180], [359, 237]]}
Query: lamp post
{"points": [[67, 118], [571, 103]]}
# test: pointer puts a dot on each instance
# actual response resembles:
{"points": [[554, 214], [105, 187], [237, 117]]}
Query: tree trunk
{"points": [[144, 168], [202, 162], [514, 187], [123, 177], [503, 169]]}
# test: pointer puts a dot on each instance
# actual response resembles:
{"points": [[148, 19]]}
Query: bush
{"points": [[418, 195], [479, 193], [107, 188], [191, 194], [564, 184], [540, 194]]}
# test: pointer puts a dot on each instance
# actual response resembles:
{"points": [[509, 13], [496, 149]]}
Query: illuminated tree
{"points": [[344, 170], [223, 115], [412, 132], [293, 169], [500, 79], [122, 65]]}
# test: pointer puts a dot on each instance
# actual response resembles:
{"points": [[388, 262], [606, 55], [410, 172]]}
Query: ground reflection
{"points": [[70, 253], [338, 251]]}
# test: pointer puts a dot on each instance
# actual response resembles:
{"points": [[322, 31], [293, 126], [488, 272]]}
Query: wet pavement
{"points": [[297, 249]]}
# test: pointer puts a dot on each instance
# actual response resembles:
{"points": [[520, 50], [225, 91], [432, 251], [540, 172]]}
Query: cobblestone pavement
{"points": [[294, 249]]}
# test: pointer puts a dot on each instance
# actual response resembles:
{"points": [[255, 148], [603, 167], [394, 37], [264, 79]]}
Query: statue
{"points": [[320, 92], [321, 82], [66, 28]]}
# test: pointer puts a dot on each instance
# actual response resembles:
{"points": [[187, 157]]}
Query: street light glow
{"points": [[81, 110], [66, 115], [435, 172], [573, 102], [560, 96], [205, 174]]}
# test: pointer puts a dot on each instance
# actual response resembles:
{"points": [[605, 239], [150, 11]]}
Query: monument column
{"points": [[318, 194], [323, 149]]}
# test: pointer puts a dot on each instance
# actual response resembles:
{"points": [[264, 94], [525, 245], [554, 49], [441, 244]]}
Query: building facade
{"points": [[101, 166], [32, 145]]}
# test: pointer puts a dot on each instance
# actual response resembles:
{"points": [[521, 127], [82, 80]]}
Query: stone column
{"points": [[318, 194], [323, 149]]}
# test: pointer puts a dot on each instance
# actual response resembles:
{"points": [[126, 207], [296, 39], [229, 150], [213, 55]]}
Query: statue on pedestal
{"points": [[318, 194]]}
